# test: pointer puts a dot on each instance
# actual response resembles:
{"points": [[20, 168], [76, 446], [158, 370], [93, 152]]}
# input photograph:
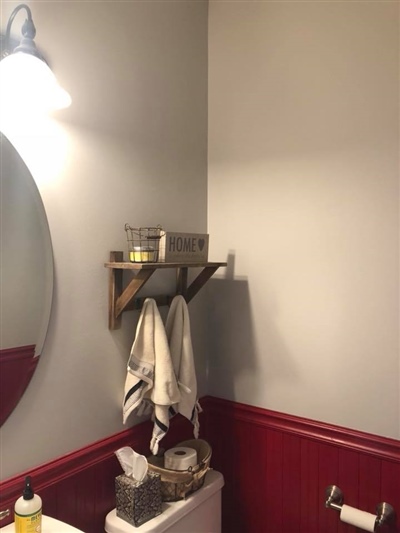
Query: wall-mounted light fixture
{"points": [[25, 77]]}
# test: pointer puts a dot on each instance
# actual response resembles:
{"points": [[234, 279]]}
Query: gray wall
{"points": [[131, 148], [304, 199]]}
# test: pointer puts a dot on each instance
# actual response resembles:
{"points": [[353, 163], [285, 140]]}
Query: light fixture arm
{"points": [[28, 31]]}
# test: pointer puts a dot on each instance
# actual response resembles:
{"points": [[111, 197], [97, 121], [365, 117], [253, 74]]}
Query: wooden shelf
{"points": [[125, 300]]}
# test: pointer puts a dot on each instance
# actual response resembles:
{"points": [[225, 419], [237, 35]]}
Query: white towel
{"points": [[180, 345], [150, 374]]}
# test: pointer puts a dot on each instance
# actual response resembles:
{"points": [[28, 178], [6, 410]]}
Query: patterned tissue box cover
{"points": [[138, 501]]}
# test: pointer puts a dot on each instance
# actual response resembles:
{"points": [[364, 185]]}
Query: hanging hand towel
{"points": [[150, 374], [180, 345]]}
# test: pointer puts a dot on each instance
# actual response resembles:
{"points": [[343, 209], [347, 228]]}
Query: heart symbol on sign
{"points": [[201, 244]]}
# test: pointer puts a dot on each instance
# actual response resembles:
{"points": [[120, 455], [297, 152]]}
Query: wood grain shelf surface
{"points": [[126, 265]]}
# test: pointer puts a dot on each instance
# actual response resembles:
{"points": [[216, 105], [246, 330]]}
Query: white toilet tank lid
{"points": [[172, 511]]}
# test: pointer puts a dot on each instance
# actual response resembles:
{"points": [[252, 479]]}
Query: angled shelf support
{"points": [[121, 300]]}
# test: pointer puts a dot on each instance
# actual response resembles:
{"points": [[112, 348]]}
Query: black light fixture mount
{"points": [[27, 44]]}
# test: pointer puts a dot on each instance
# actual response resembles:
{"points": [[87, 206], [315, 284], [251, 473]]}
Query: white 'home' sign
{"points": [[183, 248]]}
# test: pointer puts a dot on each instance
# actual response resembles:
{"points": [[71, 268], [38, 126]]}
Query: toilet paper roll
{"points": [[358, 518], [180, 458]]}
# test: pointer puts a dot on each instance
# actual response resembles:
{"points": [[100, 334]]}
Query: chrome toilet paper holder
{"points": [[334, 499]]}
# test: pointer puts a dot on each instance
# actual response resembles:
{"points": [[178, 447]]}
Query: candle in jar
{"points": [[142, 254]]}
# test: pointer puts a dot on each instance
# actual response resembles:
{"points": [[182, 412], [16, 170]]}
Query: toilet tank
{"points": [[200, 512]]}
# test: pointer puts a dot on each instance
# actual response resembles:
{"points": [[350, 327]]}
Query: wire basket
{"points": [[143, 243], [177, 484]]}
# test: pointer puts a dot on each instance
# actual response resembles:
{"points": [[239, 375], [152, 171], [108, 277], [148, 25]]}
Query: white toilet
{"points": [[200, 512]]}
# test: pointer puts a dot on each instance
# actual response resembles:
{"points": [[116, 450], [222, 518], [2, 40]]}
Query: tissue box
{"points": [[138, 501]]}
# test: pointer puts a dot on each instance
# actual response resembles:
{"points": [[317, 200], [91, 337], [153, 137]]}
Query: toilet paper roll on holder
{"points": [[384, 511]]}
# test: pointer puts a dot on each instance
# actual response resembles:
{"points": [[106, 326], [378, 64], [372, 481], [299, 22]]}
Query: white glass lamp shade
{"points": [[27, 83]]}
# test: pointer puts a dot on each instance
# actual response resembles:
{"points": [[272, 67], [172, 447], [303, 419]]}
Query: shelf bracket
{"points": [[121, 300], [200, 281]]}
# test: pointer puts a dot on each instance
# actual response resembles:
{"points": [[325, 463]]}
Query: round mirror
{"points": [[26, 277]]}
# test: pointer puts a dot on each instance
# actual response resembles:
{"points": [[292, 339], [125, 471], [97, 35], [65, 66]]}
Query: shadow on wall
{"points": [[231, 335], [244, 364]]}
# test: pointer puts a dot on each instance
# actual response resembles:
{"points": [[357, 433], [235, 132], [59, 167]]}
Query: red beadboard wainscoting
{"points": [[78, 488], [17, 366], [276, 469]]}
